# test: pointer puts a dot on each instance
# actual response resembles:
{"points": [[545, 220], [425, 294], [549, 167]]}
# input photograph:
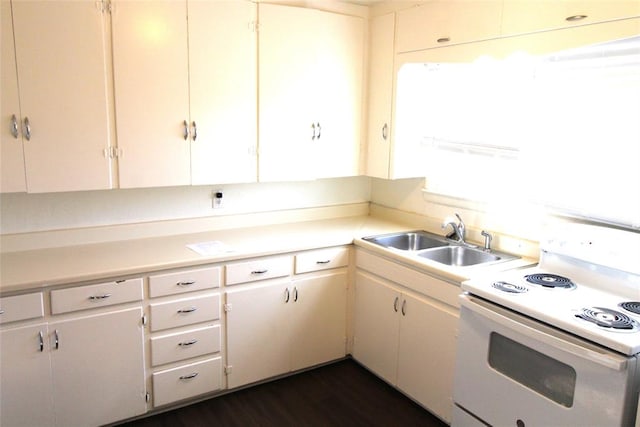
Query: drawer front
{"points": [[92, 296], [323, 259], [21, 307], [187, 381], [184, 345], [250, 271], [184, 312], [184, 281]]}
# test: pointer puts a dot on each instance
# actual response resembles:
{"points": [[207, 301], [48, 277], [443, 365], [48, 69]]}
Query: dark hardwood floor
{"points": [[339, 394]]}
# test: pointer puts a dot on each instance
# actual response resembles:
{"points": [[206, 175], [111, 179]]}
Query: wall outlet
{"points": [[217, 199]]}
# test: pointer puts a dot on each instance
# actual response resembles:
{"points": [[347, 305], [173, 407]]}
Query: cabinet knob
{"points": [[395, 304], [194, 130], [187, 343], [27, 129], [187, 310], [185, 124], [575, 18], [189, 377], [444, 40], [14, 126], [385, 131]]}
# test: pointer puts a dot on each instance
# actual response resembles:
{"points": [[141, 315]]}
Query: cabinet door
{"points": [[441, 22], [381, 32], [523, 16], [151, 78], [339, 72], [223, 92], [319, 320], [61, 59], [12, 173], [376, 328], [25, 377], [98, 368], [427, 354], [257, 333], [287, 86]]}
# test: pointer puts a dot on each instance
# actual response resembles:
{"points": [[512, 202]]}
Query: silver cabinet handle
{"points": [[99, 297], [27, 129], [259, 271], [194, 130], [14, 126], [56, 339], [313, 131], [295, 294], [286, 295], [395, 304], [404, 307], [186, 283], [40, 341], [327, 261], [189, 377], [187, 343], [187, 310], [1, 311], [385, 131], [575, 18], [186, 130], [319, 130], [444, 40]]}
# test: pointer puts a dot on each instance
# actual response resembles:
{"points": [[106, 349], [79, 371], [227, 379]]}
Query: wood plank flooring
{"points": [[339, 394]]}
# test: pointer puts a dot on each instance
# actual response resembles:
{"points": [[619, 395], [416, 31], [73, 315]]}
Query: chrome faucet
{"points": [[459, 229]]}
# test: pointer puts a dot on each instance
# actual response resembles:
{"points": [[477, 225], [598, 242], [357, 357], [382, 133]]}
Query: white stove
{"points": [[572, 290], [557, 343]]}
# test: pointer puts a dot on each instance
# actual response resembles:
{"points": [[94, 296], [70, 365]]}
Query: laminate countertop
{"points": [[34, 269]]}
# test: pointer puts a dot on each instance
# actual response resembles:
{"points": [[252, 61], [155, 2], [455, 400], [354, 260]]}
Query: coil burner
{"points": [[607, 318], [550, 281]]}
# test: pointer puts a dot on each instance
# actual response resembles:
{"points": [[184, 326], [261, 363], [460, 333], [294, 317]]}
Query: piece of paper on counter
{"points": [[213, 247]]}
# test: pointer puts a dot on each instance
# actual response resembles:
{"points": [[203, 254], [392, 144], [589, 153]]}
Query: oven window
{"points": [[536, 371]]}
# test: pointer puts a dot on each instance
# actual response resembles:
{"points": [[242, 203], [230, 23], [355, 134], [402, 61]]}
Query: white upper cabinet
{"points": [[60, 51], [12, 173], [151, 74], [310, 93], [443, 22], [223, 91], [524, 16], [185, 92]]}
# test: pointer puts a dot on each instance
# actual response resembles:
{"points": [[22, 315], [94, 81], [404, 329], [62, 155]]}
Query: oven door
{"points": [[514, 371]]}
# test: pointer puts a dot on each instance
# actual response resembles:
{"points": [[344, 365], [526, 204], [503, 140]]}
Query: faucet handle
{"points": [[487, 240]]}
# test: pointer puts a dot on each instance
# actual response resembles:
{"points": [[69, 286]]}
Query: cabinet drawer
{"points": [[184, 281], [187, 381], [184, 345], [260, 269], [184, 312], [21, 307], [322, 259], [92, 296]]}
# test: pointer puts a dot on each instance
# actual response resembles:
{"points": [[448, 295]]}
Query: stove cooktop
{"points": [[589, 311]]}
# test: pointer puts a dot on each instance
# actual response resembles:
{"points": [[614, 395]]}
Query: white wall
{"points": [[23, 213]]}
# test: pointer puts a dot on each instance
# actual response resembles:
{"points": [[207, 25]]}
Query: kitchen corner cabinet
{"points": [[61, 107], [406, 337], [284, 324], [311, 66], [525, 16], [184, 76], [444, 22]]}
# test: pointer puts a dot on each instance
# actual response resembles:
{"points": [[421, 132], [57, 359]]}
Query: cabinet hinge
{"points": [[227, 308], [228, 369], [147, 397], [254, 27]]}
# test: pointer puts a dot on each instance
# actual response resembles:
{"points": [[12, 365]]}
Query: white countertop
{"points": [[33, 269]]}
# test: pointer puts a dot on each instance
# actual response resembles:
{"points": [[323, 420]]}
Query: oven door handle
{"points": [[541, 333]]}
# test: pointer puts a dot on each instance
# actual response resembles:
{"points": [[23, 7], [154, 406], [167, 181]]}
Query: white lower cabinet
{"points": [[25, 378], [406, 338], [83, 371], [283, 325], [98, 368]]}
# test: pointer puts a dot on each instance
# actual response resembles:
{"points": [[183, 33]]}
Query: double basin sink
{"points": [[439, 249]]}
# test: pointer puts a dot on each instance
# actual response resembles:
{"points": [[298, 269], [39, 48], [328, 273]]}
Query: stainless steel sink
{"points": [[408, 240], [459, 256]]}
